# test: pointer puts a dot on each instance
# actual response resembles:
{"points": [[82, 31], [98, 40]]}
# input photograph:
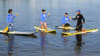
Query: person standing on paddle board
{"points": [[80, 21], [65, 20], [10, 19], [43, 19]]}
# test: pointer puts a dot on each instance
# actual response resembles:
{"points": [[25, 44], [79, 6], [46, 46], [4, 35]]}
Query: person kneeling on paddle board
{"points": [[10, 19], [43, 17], [65, 20], [80, 21]]}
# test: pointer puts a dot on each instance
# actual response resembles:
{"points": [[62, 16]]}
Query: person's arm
{"points": [[63, 22], [48, 14], [83, 19], [15, 16], [70, 18], [74, 18], [9, 19], [41, 18]]}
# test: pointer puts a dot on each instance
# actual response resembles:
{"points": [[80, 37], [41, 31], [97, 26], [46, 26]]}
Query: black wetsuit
{"points": [[79, 18]]}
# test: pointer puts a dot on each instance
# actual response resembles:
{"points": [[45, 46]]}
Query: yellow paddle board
{"points": [[76, 33], [67, 28], [48, 30]]}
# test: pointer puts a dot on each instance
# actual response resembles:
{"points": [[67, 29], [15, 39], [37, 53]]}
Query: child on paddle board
{"points": [[10, 19], [43, 19], [65, 20], [80, 21]]}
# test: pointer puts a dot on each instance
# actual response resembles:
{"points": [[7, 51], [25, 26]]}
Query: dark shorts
{"points": [[67, 24], [10, 27]]}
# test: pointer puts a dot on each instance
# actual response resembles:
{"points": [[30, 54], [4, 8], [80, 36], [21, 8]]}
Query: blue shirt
{"points": [[43, 17], [65, 20], [10, 18]]}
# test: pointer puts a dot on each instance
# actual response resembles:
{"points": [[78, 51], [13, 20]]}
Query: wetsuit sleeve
{"points": [[83, 19], [75, 18]]}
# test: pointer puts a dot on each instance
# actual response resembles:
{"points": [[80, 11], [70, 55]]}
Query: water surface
{"points": [[47, 44]]}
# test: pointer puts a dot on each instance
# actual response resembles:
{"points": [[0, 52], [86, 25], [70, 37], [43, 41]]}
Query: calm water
{"points": [[47, 44]]}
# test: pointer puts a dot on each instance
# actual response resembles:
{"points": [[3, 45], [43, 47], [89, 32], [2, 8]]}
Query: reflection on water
{"points": [[29, 15], [10, 45], [78, 45], [65, 37], [10, 40], [43, 42]]}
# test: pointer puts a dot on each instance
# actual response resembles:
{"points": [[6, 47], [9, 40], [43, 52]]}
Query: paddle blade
{"points": [[6, 29]]}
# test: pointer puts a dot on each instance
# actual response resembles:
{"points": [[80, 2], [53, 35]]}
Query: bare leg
{"points": [[45, 25], [42, 26], [83, 29]]}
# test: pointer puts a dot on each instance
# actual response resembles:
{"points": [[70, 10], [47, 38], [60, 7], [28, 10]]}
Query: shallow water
{"points": [[47, 44]]}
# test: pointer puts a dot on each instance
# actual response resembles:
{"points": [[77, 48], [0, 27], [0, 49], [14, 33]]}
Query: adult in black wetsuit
{"points": [[80, 21]]}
